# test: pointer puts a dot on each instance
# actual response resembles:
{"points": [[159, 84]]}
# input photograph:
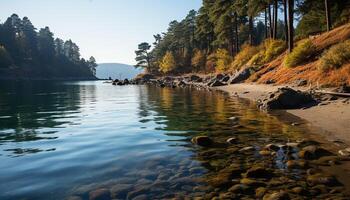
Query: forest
{"points": [[225, 35], [26, 52]]}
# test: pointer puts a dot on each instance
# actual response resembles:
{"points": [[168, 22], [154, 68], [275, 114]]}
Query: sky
{"points": [[109, 30]]}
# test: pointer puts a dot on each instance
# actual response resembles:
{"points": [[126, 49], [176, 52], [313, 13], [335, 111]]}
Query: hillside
{"points": [[116, 71], [276, 71]]}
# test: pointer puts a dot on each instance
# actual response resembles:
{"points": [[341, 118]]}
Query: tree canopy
{"points": [[23, 47], [219, 29]]}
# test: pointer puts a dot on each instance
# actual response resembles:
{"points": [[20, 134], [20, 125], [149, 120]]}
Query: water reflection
{"points": [[81, 138], [32, 111]]}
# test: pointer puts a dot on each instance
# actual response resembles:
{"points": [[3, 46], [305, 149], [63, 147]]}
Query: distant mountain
{"points": [[116, 71]]}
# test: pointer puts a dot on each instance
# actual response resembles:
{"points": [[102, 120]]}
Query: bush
{"points": [[5, 58], [210, 64], [336, 56], [302, 52], [269, 50], [273, 49], [223, 60], [199, 59], [242, 58]]}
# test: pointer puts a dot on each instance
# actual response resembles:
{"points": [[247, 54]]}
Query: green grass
{"points": [[336, 56], [301, 53]]}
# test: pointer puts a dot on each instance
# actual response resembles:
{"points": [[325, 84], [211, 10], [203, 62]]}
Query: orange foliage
{"points": [[276, 71]]}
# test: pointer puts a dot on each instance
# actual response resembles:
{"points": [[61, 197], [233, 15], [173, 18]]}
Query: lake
{"points": [[81, 140]]}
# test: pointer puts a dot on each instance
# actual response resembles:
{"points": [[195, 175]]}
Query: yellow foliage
{"points": [[269, 50], [303, 51], [199, 59], [242, 58], [168, 63], [336, 56], [223, 60]]}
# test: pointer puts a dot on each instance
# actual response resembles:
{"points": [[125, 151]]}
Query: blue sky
{"points": [[110, 30]]}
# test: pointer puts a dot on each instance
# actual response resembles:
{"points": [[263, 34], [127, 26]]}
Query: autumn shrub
{"points": [[223, 60], [242, 58], [168, 63], [336, 56], [198, 60], [5, 58], [210, 63], [273, 49], [268, 50], [301, 53]]}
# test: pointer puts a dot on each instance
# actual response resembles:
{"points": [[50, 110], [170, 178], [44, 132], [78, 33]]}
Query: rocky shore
{"points": [[310, 104], [297, 169]]}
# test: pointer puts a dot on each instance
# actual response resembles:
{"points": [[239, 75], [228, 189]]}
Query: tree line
{"points": [[24, 48], [211, 38]]}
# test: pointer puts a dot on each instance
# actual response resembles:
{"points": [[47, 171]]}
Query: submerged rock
{"points": [[272, 147], [120, 190], [259, 172], [287, 98], [232, 140], [323, 179], [277, 196], [204, 141], [313, 152], [100, 194]]}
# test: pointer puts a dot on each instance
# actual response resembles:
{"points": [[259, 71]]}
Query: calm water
{"points": [[71, 138]]}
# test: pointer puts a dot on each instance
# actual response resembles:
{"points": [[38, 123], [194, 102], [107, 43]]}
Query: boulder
{"points": [[126, 82], [313, 152], [287, 98], [225, 78], [203, 141], [241, 76], [194, 78], [219, 76]]}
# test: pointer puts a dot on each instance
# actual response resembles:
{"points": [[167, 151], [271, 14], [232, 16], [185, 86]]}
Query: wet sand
{"points": [[331, 118]]}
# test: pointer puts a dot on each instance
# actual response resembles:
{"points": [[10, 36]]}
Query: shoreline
{"points": [[330, 118]]}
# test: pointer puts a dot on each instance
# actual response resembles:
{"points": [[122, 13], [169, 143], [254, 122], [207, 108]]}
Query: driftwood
{"points": [[333, 93]]}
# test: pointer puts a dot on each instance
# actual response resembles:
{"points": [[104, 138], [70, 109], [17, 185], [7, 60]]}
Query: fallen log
{"points": [[333, 93]]}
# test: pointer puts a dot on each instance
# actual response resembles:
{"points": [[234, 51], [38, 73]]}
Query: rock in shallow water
{"points": [[277, 196], [258, 172], [203, 141], [313, 152], [100, 194]]}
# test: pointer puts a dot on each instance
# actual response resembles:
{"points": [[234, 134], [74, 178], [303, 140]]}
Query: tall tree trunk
{"points": [[270, 21], [328, 15], [236, 35], [290, 4], [275, 19], [266, 26], [285, 20], [251, 29]]}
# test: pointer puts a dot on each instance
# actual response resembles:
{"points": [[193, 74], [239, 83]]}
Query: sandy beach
{"points": [[332, 118]]}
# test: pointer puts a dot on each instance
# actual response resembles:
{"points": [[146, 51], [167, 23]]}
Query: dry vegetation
{"points": [[309, 69]]}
